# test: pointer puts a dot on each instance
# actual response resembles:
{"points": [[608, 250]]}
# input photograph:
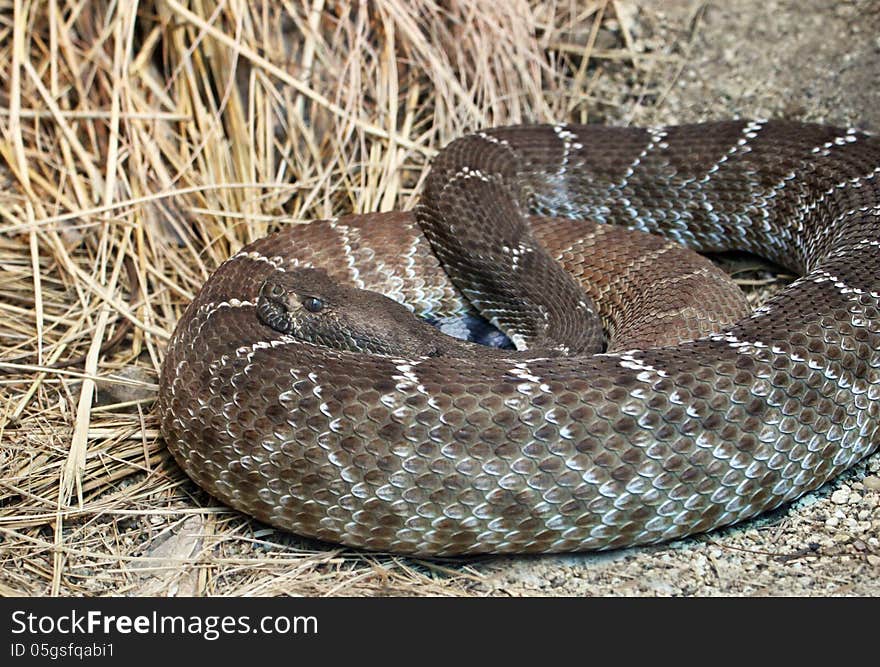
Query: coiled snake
{"points": [[277, 398]]}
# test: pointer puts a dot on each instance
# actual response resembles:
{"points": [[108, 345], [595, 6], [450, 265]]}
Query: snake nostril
{"points": [[272, 290]]}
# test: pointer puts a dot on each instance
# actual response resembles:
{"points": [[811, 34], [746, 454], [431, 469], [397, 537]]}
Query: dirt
{"points": [[807, 60]]}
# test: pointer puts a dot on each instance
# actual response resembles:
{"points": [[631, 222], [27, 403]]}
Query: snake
{"points": [[311, 384]]}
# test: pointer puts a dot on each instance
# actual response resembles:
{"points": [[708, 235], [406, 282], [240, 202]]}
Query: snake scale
{"points": [[564, 444]]}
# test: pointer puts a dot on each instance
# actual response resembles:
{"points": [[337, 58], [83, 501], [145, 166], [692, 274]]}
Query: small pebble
{"points": [[872, 483], [840, 497], [131, 383]]}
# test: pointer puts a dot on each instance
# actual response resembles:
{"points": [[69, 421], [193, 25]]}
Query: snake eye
{"points": [[312, 304]]}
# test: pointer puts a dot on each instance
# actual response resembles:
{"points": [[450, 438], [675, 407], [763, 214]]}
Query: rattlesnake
{"points": [[568, 445]]}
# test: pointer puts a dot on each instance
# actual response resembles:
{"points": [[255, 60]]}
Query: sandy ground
{"points": [[152, 532]]}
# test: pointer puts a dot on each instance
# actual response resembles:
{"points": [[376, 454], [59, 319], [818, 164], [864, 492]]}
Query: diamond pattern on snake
{"points": [[619, 390]]}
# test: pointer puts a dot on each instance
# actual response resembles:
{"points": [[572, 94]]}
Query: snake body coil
{"points": [[578, 448]]}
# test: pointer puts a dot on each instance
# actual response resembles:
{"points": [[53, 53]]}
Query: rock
{"points": [[840, 497], [128, 384], [872, 483]]}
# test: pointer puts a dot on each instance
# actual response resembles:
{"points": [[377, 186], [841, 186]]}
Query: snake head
{"points": [[291, 301], [308, 304]]}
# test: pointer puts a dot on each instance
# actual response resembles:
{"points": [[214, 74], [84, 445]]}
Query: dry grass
{"points": [[166, 135]]}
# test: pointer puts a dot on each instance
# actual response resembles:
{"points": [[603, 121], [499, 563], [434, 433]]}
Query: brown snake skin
{"points": [[553, 449]]}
